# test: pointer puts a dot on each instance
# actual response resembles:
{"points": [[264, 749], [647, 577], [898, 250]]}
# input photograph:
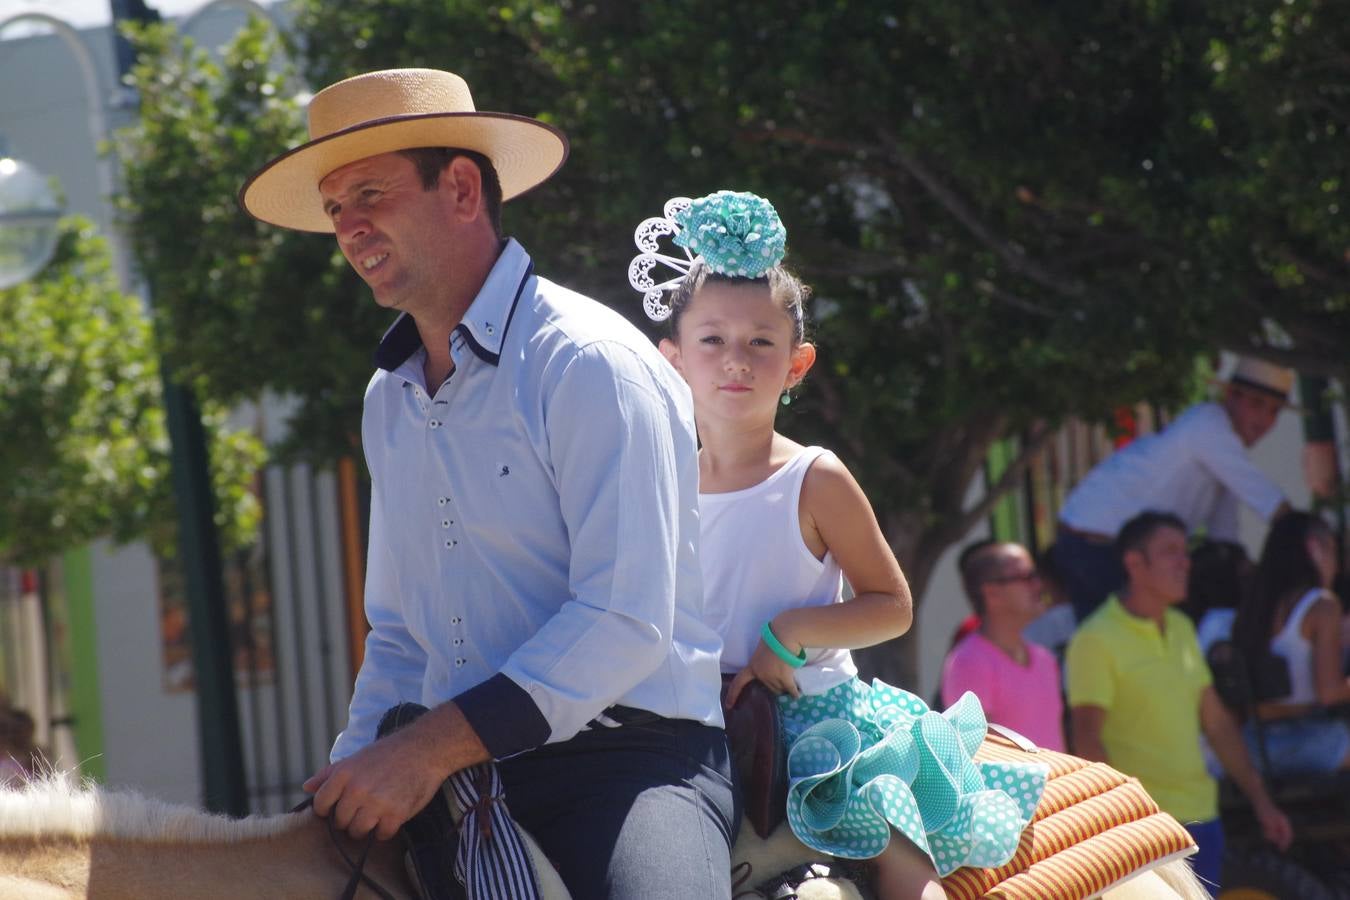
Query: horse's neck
{"points": [[299, 863]]}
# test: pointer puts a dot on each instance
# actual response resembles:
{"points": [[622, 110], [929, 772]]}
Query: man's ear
{"points": [[671, 351], [1133, 561], [462, 186], [803, 358]]}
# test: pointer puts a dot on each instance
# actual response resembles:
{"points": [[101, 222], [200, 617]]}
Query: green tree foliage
{"points": [[1010, 215], [249, 307], [85, 453]]}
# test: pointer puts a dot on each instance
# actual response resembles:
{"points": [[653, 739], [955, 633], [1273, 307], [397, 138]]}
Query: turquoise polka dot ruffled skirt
{"points": [[863, 760]]}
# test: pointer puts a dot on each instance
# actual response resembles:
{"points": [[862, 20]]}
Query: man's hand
{"points": [[386, 783], [1274, 823], [766, 668]]}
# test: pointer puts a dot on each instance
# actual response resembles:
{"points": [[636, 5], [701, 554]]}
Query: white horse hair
{"points": [[62, 805]]}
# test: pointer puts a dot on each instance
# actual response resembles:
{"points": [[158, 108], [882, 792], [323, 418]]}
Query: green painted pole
{"points": [[225, 789], [86, 708]]}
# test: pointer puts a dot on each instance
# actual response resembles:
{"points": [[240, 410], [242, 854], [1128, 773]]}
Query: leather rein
{"points": [[356, 866]]}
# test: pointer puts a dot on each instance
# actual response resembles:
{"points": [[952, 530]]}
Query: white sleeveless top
{"points": [[755, 565], [1297, 651]]}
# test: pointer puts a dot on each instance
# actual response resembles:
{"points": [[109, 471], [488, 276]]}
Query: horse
{"points": [[61, 838]]}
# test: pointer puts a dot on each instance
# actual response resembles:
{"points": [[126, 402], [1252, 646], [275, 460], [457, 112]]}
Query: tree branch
{"points": [[1014, 256], [1032, 443]]}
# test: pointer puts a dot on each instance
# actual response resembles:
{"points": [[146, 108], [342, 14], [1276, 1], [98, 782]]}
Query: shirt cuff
{"points": [[504, 716]]}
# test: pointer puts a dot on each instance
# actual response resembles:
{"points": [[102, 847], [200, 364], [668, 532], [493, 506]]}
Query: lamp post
{"points": [[29, 212], [225, 789]]}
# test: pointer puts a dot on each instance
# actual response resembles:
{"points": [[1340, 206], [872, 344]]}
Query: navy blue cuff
{"points": [[506, 720]]}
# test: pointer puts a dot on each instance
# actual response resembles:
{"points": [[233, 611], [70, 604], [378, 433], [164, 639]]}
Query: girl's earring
{"points": [[786, 398]]}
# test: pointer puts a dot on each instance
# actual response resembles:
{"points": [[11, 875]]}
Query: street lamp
{"points": [[29, 213]]}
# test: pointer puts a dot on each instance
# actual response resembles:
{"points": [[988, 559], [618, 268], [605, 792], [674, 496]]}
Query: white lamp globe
{"points": [[29, 213]]}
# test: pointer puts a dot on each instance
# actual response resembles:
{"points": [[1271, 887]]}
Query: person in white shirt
{"points": [[1197, 468], [533, 578]]}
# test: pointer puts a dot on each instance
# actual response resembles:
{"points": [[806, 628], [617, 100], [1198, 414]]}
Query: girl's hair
{"points": [[1285, 569], [787, 289], [1220, 578]]}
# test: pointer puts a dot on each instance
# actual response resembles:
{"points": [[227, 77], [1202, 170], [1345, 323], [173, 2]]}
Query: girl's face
{"points": [[735, 348]]}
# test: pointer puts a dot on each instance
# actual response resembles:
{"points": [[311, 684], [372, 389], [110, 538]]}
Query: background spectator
{"points": [[1140, 694], [1197, 468], [1017, 681], [1221, 576], [19, 756], [1056, 624], [1293, 615]]}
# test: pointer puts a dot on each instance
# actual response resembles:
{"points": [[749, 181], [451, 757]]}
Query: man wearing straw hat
{"points": [[532, 574], [1197, 468]]}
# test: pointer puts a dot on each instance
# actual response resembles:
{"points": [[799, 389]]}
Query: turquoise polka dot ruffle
{"points": [[864, 760]]}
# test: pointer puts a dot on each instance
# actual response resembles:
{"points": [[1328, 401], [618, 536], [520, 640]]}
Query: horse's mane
{"points": [[61, 805]]}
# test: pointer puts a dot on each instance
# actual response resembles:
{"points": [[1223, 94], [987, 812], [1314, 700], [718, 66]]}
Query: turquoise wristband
{"points": [[771, 641]]}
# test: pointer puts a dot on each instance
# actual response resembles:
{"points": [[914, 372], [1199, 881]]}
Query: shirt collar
{"points": [[1130, 620], [486, 321]]}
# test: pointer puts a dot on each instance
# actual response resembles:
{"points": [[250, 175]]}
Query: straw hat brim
{"points": [[1286, 403], [285, 192]]}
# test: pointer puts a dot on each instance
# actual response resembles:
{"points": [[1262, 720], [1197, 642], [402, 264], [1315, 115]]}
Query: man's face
{"points": [[1163, 565], [389, 228], [1015, 589], [1252, 412]]}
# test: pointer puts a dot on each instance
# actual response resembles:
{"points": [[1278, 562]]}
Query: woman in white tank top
{"points": [[781, 526], [1293, 615]]}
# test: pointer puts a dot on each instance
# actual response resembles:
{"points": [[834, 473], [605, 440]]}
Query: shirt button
{"points": [[458, 663], [458, 641], [449, 544], [441, 501], [455, 620], [435, 423]]}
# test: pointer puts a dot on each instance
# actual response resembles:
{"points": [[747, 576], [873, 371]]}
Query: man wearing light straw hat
{"points": [[1196, 468], [532, 574]]}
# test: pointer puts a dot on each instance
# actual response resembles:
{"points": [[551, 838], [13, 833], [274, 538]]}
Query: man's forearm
{"points": [[449, 738], [1226, 740]]}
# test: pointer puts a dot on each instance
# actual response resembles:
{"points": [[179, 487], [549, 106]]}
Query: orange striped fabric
{"points": [[1092, 828]]}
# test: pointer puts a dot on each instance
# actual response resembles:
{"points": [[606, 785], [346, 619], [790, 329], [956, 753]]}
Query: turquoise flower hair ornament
{"points": [[735, 234]]}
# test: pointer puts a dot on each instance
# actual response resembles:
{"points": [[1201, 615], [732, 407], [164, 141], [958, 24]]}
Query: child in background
{"points": [[781, 526], [18, 754]]}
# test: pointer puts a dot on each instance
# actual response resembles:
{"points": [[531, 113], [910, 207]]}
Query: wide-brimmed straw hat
{"points": [[1265, 377], [397, 109]]}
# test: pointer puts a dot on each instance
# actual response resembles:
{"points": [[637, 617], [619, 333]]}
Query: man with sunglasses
{"points": [[1017, 681]]}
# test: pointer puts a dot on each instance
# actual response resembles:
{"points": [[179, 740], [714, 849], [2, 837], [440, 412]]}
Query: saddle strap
{"points": [[491, 861]]}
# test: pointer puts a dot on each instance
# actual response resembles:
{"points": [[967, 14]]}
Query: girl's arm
{"points": [[836, 517], [1324, 625], [835, 512]]}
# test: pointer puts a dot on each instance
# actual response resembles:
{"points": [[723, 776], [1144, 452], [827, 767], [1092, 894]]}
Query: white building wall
{"points": [[149, 734]]}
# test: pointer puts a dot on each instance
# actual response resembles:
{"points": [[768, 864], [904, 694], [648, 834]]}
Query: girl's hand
{"points": [[766, 668]]}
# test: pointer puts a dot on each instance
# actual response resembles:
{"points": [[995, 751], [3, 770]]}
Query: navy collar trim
{"points": [[486, 354], [401, 341]]}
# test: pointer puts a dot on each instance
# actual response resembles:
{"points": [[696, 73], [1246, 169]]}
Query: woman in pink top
{"points": [[1017, 681]]}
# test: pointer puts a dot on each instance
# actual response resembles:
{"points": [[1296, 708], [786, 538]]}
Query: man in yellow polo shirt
{"points": [[1140, 694]]}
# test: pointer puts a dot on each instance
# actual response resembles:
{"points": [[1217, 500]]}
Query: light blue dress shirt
{"points": [[533, 524]]}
